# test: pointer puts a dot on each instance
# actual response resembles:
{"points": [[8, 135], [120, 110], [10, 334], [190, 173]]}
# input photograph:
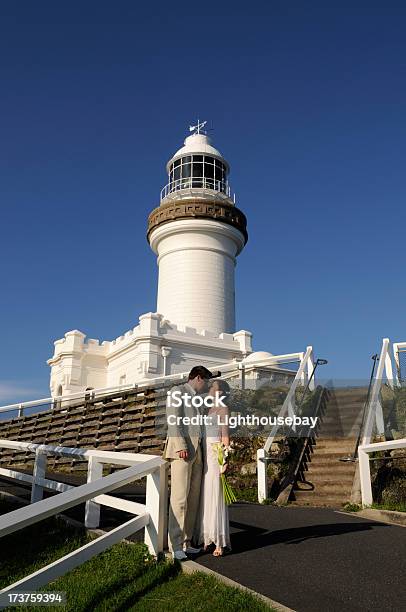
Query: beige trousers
{"points": [[186, 477]]}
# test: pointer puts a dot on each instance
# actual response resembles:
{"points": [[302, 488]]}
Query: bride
{"points": [[213, 526]]}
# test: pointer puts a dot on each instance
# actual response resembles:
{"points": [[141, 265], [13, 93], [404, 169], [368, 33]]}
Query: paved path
{"points": [[316, 559]]}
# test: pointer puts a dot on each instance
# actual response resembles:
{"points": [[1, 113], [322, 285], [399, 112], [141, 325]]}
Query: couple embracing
{"points": [[198, 515]]}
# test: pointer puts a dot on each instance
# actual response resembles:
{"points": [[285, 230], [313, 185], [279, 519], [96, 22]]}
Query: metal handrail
{"points": [[287, 408], [354, 456], [301, 457], [196, 182], [287, 404]]}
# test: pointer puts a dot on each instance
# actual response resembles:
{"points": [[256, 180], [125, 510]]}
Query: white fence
{"points": [[151, 515], [229, 370], [304, 375], [374, 421], [399, 352], [364, 469]]}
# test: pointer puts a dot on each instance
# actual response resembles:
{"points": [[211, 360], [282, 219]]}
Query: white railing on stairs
{"points": [[399, 348], [151, 515], [374, 420], [303, 375]]}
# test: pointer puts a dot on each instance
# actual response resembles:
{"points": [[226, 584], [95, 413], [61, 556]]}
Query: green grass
{"points": [[398, 507], [125, 577], [350, 507]]}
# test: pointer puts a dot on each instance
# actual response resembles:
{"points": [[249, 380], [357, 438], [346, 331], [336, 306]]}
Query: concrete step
{"points": [[333, 445], [332, 452], [326, 487], [323, 503], [324, 462], [336, 470], [341, 416], [322, 443], [344, 432], [320, 479]]}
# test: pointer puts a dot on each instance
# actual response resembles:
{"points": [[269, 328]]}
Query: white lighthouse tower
{"points": [[197, 233]]}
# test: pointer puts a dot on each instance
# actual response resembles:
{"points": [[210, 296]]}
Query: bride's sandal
{"points": [[218, 552]]}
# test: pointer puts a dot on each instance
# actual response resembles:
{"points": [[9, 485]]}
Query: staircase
{"points": [[328, 481]]}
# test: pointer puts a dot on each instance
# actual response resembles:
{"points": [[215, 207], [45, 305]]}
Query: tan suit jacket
{"points": [[181, 436]]}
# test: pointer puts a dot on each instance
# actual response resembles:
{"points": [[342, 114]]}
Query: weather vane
{"points": [[198, 127]]}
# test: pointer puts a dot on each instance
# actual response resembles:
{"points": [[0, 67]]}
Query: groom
{"points": [[183, 448]]}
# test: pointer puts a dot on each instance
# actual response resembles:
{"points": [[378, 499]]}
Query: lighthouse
{"points": [[197, 232]]}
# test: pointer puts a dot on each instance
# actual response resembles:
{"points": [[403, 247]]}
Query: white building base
{"points": [[153, 348]]}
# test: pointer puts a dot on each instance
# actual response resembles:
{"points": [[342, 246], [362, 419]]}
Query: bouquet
{"points": [[222, 456]]}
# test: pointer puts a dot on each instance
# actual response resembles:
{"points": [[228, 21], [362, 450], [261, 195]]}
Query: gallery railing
{"points": [[197, 183]]}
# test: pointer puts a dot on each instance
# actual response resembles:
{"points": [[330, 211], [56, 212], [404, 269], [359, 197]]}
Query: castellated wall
{"points": [[79, 363]]}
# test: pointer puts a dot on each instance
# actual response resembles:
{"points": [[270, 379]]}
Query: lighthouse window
{"points": [[208, 171], [197, 169], [186, 170]]}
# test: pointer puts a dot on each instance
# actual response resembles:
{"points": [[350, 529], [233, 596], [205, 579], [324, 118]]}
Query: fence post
{"points": [[92, 510], [389, 369], [262, 475], [165, 506], [303, 375], [40, 465], [365, 477], [156, 504], [310, 368]]}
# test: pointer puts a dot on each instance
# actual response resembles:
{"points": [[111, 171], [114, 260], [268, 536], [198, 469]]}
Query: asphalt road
{"points": [[316, 559]]}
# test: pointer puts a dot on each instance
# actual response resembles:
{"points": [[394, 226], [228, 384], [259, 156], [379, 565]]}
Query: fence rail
{"points": [[230, 369], [364, 468], [151, 515]]}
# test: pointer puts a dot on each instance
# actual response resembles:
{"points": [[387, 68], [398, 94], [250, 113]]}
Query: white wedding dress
{"points": [[213, 523]]}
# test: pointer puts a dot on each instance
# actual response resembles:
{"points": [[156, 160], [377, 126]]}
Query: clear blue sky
{"points": [[307, 102]]}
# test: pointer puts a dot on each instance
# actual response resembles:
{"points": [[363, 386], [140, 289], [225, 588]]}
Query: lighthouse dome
{"points": [[197, 169], [197, 143]]}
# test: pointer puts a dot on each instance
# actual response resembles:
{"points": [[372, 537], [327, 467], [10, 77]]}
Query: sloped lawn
{"points": [[125, 577]]}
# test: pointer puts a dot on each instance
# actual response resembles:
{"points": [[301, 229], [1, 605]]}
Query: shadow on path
{"points": [[250, 538]]}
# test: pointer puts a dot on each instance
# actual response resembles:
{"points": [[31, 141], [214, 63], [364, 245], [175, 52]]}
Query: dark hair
{"points": [[223, 385], [199, 371]]}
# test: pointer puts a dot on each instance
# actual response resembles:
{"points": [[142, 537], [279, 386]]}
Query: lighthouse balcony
{"points": [[201, 187]]}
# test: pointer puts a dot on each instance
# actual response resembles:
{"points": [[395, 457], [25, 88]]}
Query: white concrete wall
{"points": [[138, 354]]}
